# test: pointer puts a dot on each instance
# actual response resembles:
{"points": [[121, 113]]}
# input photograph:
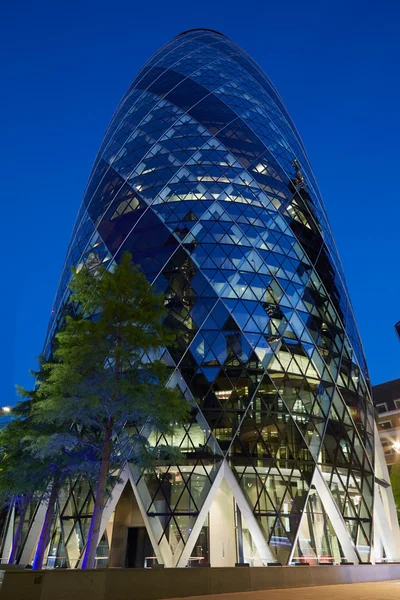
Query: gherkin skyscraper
{"points": [[203, 177]]}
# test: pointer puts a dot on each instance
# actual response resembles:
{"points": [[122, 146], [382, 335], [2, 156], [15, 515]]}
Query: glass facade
{"points": [[203, 177]]}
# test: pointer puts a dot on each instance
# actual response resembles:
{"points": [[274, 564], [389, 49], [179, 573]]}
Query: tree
{"points": [[20, 477], [60, 455], [37, 458], [108, 377], [24, 475], [395, 481]]}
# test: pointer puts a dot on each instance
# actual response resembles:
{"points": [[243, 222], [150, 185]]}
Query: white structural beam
{"points": [[385, 523], [383, 530], [7, 546], [335, 516], [391, 525], [154, 529], [162, 551], [296, 537], [113, 499], [244, 507], [192, 539], [222, 529], [33, 536], [385, 514]]}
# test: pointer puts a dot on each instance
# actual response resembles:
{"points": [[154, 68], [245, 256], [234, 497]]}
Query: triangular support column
{"points": [[386, 525], [225, 472], [334, 516]]}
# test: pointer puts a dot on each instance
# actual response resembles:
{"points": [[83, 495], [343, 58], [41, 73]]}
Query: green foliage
{"points": [[106, 383], [32, 452], [395, 481], [36, 458], [106, 369], [21, 474]]}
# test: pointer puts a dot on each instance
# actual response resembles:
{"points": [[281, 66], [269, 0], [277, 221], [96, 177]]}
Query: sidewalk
{"points": [[382, 590]]}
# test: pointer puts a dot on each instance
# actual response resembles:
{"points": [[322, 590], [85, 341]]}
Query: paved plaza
{"points": [[382, 590]]}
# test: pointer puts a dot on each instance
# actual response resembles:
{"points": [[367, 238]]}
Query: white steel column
{"points": [[184, 557], [222, 533], [112, 501], [162, 550], [33, 535], [296, 537], [254, 528], [335, 516], [385, 512], [7, 546], [383, 528]]}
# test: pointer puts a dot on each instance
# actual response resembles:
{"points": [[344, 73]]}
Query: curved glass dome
{"points": [[203, 177]]}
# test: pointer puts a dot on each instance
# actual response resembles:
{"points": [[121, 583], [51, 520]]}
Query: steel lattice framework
{"points": [[203, 177]]}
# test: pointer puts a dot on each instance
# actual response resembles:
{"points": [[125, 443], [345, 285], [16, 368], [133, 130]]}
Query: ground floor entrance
{"points": [[139, 551]]}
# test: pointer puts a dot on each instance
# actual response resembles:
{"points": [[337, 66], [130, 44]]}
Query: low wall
{"points": [[156, 584]]}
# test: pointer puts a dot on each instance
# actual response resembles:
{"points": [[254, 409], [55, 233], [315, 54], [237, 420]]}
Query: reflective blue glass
{"points": [[203, 177]]}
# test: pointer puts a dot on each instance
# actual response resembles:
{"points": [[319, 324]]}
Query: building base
{"points": [[149, 584]]}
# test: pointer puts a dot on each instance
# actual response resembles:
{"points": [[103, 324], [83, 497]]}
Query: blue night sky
{"points": [[65, 67]]}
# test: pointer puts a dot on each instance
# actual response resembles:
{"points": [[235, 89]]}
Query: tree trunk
{"points": [[92, 541], [46, 527], [18, 532]]}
